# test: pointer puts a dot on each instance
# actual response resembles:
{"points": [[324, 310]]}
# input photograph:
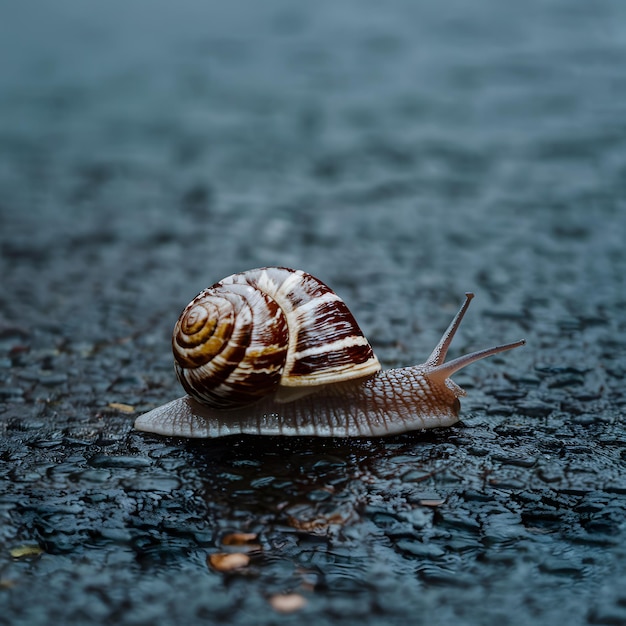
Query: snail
{"points": [[274, 351]]}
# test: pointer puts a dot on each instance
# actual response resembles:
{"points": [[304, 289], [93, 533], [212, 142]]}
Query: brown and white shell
{"points": [[267, 331]]}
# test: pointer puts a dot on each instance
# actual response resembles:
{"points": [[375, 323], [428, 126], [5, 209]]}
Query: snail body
{"points": [[274, 351]]}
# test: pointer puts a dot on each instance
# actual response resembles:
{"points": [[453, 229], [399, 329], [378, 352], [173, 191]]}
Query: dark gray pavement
{"points": [[404, 152]]}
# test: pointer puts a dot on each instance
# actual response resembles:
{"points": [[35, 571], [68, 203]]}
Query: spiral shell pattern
{"points": [[256, 331]]}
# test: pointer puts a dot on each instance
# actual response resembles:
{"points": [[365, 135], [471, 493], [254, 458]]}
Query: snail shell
{"points": [[275, 351], [251, 333]]}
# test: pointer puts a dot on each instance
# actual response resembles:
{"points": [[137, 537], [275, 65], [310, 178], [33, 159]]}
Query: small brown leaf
{"points": [[318, 524], [239, 539], [287, 602], [224, 562]]}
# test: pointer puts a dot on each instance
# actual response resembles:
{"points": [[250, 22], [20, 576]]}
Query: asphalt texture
{"points": [[403, 152]]}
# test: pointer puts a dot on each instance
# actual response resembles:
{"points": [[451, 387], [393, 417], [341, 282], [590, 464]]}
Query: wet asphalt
{"points": [[404, 153]]}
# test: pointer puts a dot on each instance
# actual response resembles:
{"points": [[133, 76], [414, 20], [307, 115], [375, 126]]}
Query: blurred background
{"points": [[404, 152]]}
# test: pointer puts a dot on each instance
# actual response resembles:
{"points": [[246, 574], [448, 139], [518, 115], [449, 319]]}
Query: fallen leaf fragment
{"points": [[432, 502], [26, 550], [317, 524], [6, 583], [287, 602], [239, 539], [223, 562], [120, 406]]}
